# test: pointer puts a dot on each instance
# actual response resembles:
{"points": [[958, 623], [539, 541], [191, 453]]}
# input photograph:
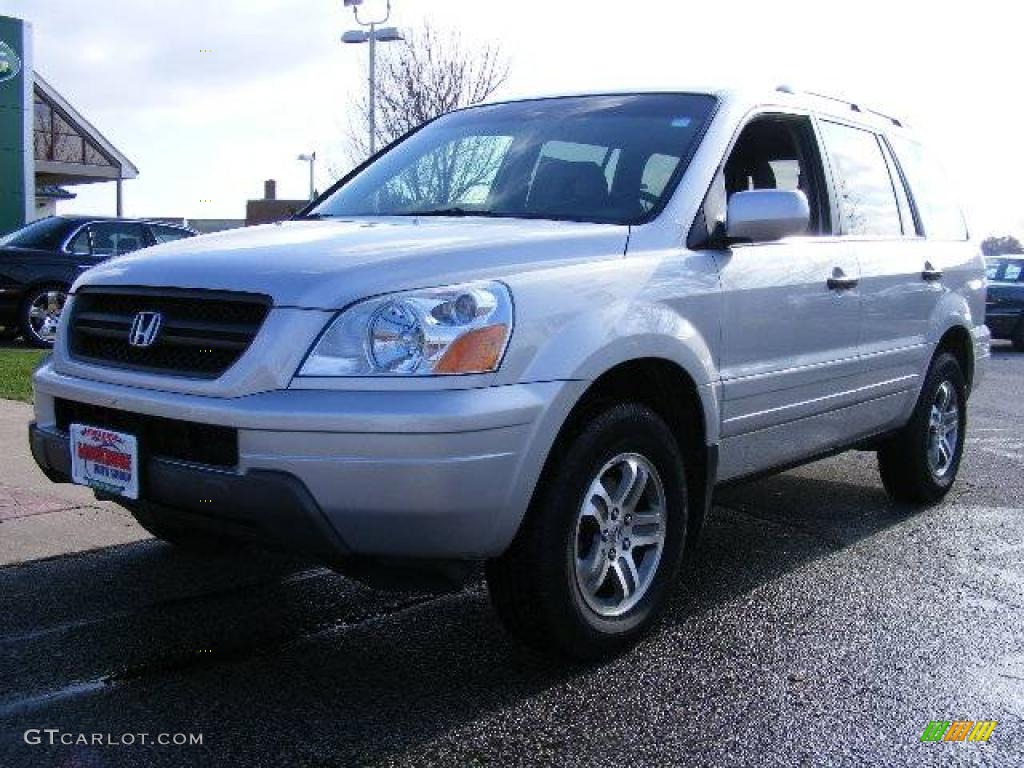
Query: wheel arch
{"points": [[672, 392], [957, 340], [43, 282]]}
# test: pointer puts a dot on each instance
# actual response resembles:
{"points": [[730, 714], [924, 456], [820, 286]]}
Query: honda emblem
{"points": [[144, 330]]}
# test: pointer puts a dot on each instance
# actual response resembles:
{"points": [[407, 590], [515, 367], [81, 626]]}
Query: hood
{"points": [[17, 253], [327, 264]]}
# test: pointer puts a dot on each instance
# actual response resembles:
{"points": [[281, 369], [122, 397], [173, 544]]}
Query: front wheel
{"points": [[40, 315], [598, 553], [919, 464]]}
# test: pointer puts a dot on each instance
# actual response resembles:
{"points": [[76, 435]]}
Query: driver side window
{"points": [[772, 152]]}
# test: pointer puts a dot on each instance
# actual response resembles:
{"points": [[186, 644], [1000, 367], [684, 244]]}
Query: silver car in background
{"points": [[536, 334]]}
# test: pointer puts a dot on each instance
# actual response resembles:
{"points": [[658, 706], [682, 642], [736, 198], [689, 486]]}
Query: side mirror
{"points": [[764, 215]]}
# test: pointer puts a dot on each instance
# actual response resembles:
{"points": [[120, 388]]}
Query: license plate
{"points": [[105, 460]]}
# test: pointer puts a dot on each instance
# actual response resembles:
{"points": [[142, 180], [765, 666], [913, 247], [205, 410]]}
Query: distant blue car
{"points": [[1004, 310]]}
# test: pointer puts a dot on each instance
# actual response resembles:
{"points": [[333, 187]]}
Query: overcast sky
{"points": [[210, 98]]}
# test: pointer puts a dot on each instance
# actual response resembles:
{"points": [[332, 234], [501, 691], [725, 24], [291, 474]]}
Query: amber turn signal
{"points": [[477, 351]]}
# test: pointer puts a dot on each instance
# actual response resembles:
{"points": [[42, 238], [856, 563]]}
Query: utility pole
{"points": [[374, 36], [311, 159]]}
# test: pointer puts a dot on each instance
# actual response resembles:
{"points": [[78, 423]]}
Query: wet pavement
{"points": [[816, 624]]}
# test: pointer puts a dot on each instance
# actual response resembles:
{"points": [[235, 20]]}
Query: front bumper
{"points": [[443, 474], [274, 508]]}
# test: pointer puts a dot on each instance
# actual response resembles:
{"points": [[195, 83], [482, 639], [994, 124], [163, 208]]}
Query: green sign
{"points": [[17, 161], [10, 64]]}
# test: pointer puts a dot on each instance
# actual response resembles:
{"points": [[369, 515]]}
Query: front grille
{"points": [[201, 335], [158, 437]]}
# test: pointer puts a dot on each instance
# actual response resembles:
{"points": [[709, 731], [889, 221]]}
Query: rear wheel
{"points": [[40, 314], [598, 553], [920, 464]]}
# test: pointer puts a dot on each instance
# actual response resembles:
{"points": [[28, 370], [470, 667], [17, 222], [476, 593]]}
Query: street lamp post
{"points": [[374, 36], [311, 159]]}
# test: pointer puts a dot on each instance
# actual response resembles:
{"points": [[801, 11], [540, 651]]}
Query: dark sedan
{"points": [[39, 262], [1004, 312]]}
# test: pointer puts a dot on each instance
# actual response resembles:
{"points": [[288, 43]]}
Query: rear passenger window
{"points": [[867, 200], [936, 204]]}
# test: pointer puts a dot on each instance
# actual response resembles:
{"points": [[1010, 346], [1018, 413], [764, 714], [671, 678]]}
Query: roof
{"points": [[127, 169], [53, 192], [84, 218], [781, 95]]}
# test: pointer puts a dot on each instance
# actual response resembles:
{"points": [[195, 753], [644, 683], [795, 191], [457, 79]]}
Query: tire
{"points": [[40, 332], [908, 473], [183, 538], [539, 587]]}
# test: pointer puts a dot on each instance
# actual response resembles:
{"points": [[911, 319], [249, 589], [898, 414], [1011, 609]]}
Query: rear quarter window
{"points": [[937, 205]]}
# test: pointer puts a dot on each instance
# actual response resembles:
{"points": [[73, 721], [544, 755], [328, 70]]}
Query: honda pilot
{"points": [[536, 335]]}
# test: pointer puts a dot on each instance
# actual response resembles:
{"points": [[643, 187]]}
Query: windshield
{"points": [[592, 158], [47, 234]]}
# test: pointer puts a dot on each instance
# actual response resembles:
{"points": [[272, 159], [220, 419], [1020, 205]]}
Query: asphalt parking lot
{"points": [[816, 624]]}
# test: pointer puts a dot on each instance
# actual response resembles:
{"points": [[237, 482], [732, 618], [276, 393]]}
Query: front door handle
{"points": [[930, 273], [840, 282]]}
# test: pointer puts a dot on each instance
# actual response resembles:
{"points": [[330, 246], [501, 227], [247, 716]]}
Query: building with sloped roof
{"points": [[45, 143]]}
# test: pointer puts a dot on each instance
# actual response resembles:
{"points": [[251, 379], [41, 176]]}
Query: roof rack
{"points": [[853, 105]]}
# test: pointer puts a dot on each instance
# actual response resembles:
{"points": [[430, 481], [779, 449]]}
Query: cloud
{"points": [[275, 80], [149, 53]]}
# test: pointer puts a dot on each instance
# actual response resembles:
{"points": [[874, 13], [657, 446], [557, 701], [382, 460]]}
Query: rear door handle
{"points": [[840, 282], [930, 273]]}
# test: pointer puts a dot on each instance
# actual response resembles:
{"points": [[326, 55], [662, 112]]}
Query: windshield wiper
{"points": [[453, 211], [312, 216]]}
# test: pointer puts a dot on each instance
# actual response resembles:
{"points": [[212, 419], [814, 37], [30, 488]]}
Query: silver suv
{"points": [[535, 334]]}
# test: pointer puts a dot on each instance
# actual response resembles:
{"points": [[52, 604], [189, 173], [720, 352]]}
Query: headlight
{"points": [[460, 329]]}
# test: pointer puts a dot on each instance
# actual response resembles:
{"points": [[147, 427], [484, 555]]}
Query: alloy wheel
{"points": [[943, 429], [44, 314], [620, 535]]}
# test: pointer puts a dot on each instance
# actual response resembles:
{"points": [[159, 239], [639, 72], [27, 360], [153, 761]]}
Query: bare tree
{"points": [[998, 246], [431, 73]]}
